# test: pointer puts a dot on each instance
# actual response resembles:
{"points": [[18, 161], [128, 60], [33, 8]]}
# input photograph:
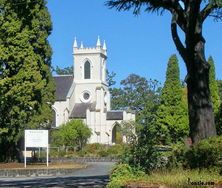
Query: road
{"points": [[95, 175]]}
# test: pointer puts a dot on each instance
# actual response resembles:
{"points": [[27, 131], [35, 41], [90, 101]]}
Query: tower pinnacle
{"points": [[104, 45], [81, 46], [75, 45], [98, 44]]}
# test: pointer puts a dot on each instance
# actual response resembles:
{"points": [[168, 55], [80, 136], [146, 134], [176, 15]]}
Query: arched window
{"points": [[87, 71]]}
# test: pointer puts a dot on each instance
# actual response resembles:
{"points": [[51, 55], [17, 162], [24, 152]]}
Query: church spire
{"points": [[104, 45], [75, 45], [81, 46], [98, 44]]}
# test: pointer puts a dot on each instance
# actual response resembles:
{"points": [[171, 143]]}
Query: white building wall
{"points": [[61, 108]]}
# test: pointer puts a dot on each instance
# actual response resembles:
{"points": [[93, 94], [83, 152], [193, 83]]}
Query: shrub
{"points": [[207, 153], [115, 150], [73, 133], [176, 157], [121, 170], [93, 148], [103, 153], [100, 150], [122, 173]]}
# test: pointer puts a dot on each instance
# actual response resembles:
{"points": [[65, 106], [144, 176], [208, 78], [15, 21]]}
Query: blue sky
{"points": [[136, 44]]}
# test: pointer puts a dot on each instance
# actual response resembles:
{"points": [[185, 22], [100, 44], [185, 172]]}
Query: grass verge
{"points": [[174, 178]]}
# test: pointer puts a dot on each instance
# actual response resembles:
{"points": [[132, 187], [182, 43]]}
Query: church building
{"points": [[85, 95]]}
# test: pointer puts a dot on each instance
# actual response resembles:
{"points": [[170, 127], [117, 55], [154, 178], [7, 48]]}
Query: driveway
{"points": [[95, 175]]}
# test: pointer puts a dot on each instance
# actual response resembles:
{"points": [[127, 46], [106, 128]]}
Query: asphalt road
{"points": [[95, 175]]}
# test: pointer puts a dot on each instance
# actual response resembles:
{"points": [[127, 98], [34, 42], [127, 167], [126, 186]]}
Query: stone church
{"points": [[85, 95]]}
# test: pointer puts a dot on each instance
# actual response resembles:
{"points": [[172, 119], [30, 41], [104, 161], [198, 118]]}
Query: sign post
{"points": [[37, 138]]}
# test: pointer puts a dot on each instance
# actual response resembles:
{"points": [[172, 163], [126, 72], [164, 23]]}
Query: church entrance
{"points": [[117, 137]]}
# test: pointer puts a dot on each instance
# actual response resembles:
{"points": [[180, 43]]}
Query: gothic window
{"points": [[87, 71]]}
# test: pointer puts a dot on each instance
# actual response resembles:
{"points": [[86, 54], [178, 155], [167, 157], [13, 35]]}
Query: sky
{"points": [[136, 44]]}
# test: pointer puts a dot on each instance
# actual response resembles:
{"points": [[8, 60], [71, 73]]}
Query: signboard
{"points": [[37, 139]]}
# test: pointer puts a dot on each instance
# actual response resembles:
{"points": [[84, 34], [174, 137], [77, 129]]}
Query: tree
{"points": [[214, 90], [110, 78], [172, 117], [137, 94], [26, 88], [133, 92], [219, 114], [64, 71], [117, 99], [74, 133], [189, 16], [219, 84]]}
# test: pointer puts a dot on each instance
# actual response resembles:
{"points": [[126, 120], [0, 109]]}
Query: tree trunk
{"points": [[201, 117]]}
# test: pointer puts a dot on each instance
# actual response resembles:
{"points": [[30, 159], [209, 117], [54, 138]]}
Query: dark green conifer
{"points": [[214, 90], [26, 87], [172, 117]]}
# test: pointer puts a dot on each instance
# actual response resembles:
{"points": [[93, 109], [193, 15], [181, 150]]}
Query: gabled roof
{"points": [[79, 110], [63, 84], [114, 115]]}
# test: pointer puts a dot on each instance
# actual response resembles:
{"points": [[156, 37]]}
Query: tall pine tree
{"points": [[215, 96], [26, 86], [214, 90], [172, 115]]}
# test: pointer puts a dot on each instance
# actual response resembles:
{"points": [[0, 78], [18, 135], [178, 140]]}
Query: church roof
{"points": [[114, 115], [79, 110], [63, 84]]}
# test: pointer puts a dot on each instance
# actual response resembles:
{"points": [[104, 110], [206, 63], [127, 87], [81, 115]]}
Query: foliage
{"points": [[27, 89], [128, 130], [64, 71], [117, 98], [99, 150], [218, 120], [123, 175], [123, 172], [206, 154], [137, 94], [110, 78], [142, 153], [172, 117], [176, 156], [214, 90], [219, 84], [89, 150], [74, 133], [215, 95], [189, 16], [218, 117]]}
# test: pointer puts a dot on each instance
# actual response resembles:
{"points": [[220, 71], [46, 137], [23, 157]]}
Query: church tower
{"points": [[90, 75], [86, 95]]}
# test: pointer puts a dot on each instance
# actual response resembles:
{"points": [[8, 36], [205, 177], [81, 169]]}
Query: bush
{"points": [[92, 149], [121, 173], [207, 153], [74, 133], [116, 150], [176, 157], [100, 150], [121, 170]]}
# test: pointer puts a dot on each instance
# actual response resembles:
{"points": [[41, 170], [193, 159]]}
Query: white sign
{"points": [[36, 138]]}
